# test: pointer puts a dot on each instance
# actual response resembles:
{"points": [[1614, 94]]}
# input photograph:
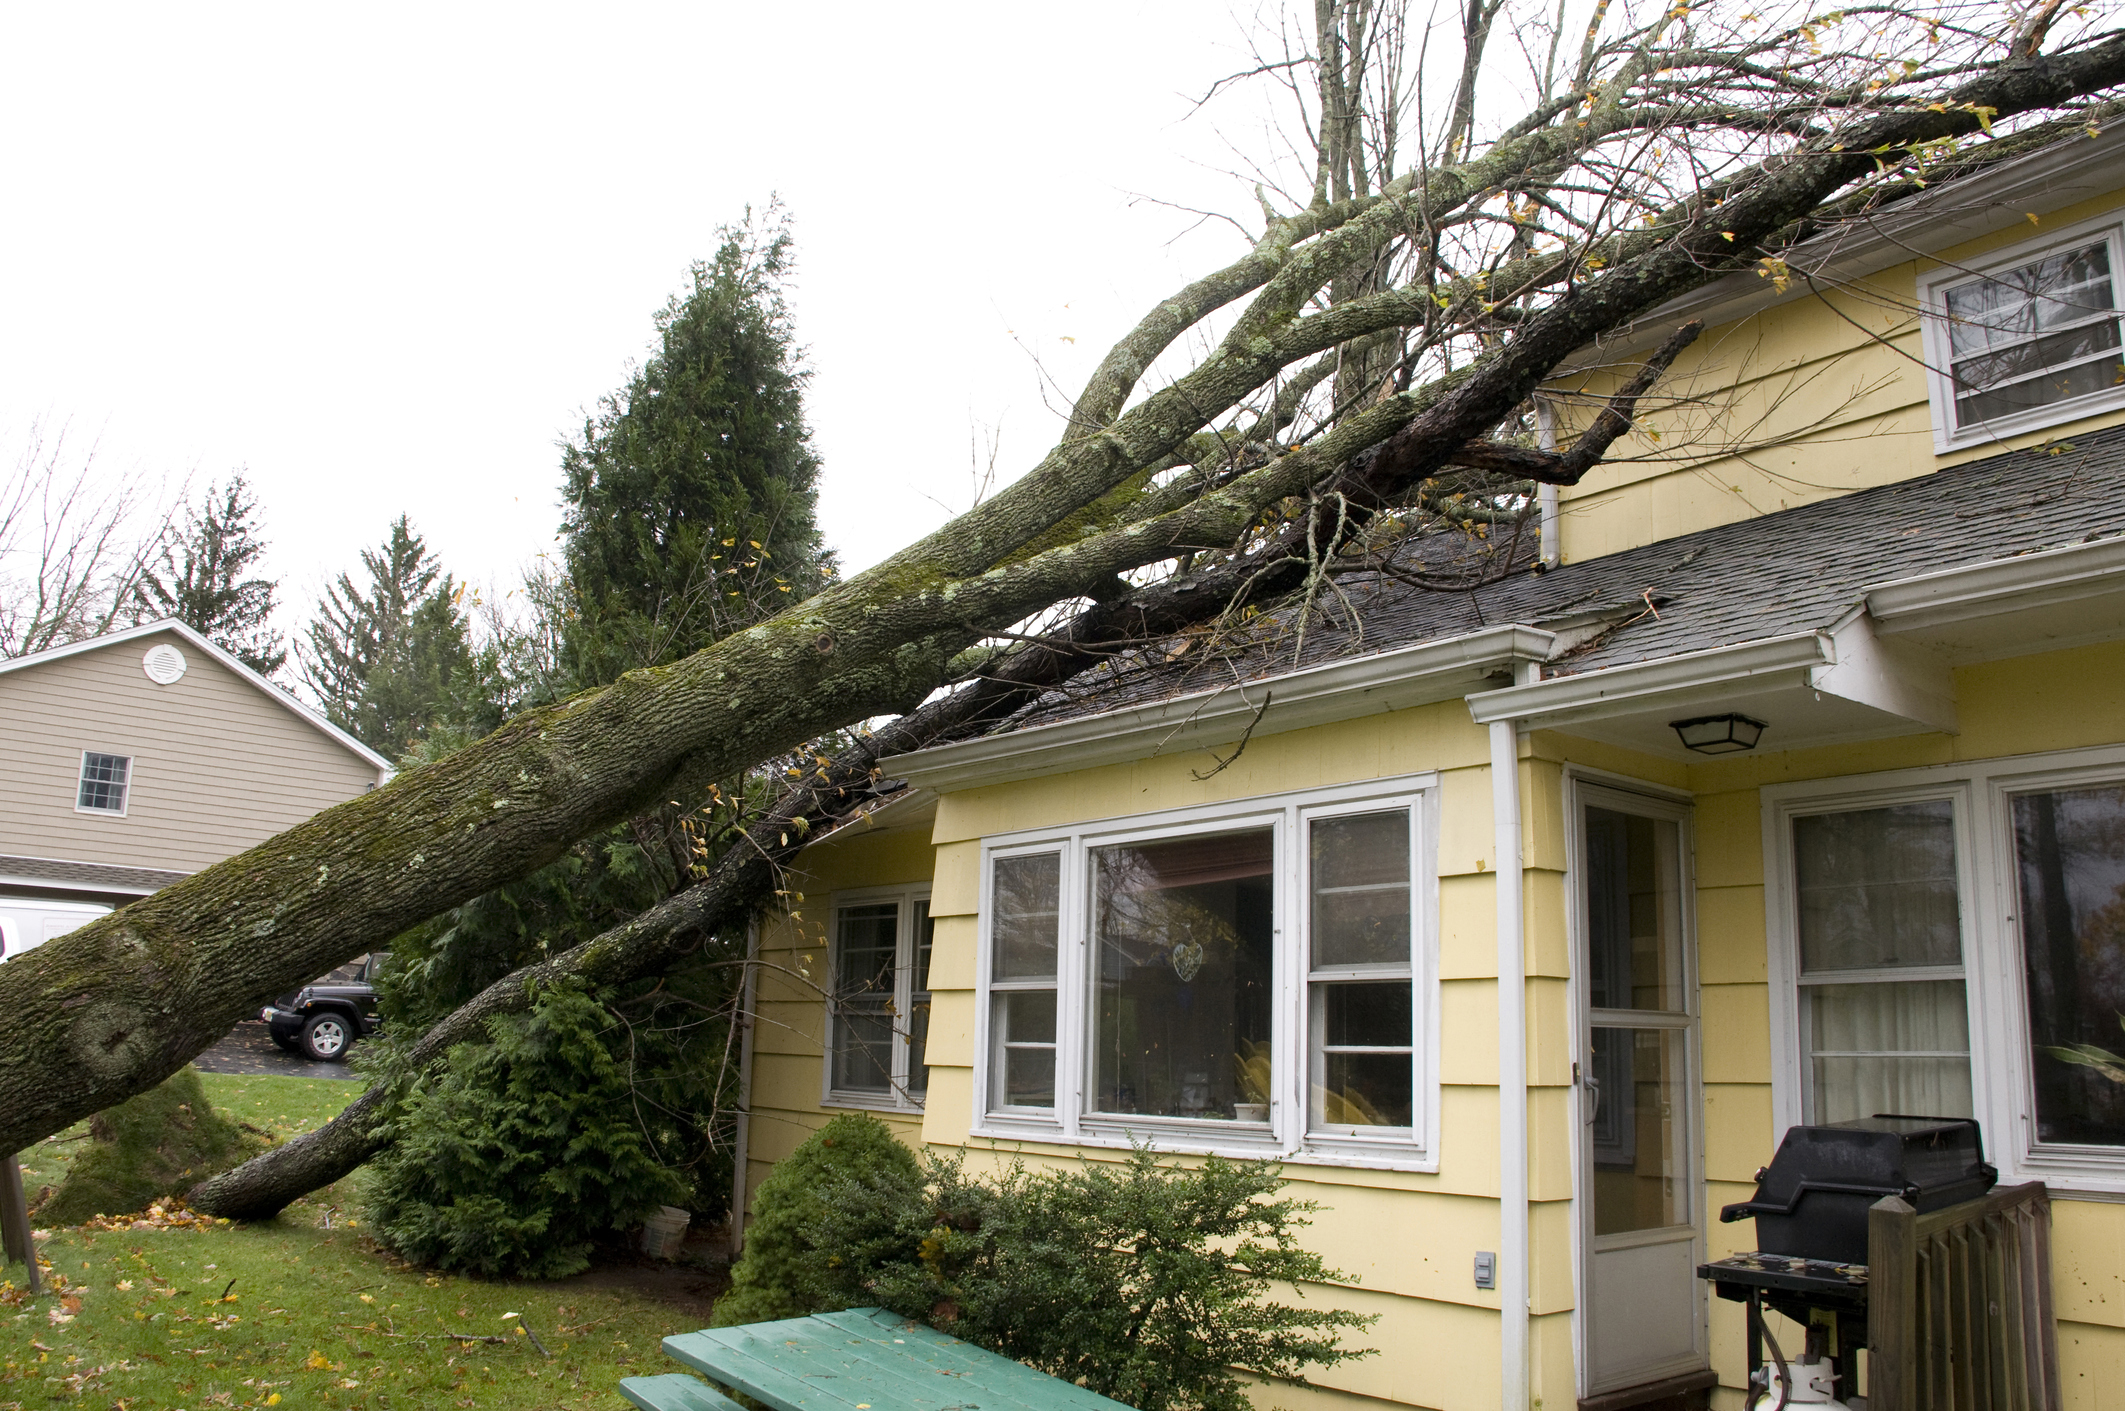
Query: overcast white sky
{"points": [[383, 257]]}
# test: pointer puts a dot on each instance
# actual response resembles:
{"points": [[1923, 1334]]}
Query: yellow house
{"points": [[1788, 787]]}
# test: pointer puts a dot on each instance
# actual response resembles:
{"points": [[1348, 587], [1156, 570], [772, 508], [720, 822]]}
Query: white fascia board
{"points": [[2068, 171], [1392, 680], [384, 767], [2044, 579], [907, 809], [1646, 685]]}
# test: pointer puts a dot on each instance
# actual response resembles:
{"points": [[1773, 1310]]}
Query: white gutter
{"points": [[1662, 681], [1512, 1068], [1392, 680], [2046, 579]]}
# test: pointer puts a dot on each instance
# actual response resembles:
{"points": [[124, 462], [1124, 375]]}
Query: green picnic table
{"points": [[865, 1359]]}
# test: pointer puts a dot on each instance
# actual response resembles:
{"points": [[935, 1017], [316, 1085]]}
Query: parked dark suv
{"points": [[325, 1017]]}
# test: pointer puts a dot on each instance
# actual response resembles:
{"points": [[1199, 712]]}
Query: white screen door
{"points": [[1638, 1091]]}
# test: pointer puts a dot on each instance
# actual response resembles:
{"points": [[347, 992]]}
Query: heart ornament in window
{"points": [[1186, 958]]}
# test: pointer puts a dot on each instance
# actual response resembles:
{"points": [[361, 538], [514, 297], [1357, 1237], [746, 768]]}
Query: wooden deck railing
{"points": [[1959, 1305]]}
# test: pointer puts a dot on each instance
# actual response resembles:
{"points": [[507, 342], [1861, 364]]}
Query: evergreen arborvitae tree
{"points": [[199, 579], [690, 495], [385, 660]]}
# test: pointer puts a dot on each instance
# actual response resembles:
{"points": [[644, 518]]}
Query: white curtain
{"points": [[1888, 1047]]}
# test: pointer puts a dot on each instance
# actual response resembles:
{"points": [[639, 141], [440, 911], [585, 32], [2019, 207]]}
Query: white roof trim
{"points": [[1391, 680], [1642, 685], [2044, 579], [170, 624], [2062, 174]]}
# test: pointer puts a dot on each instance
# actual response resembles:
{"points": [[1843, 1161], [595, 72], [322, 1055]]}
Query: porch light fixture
{"points": [[1719, 734]]}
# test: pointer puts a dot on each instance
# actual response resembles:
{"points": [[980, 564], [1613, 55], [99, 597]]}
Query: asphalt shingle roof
{"points": [[91, 875], [1792, 571]]}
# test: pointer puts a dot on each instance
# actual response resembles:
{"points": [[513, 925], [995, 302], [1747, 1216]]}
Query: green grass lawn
{"points": [[302, 1311]]}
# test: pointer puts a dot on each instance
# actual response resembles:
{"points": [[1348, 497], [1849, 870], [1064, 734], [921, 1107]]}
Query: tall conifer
{"points": [[198, 578], [689, 496]]}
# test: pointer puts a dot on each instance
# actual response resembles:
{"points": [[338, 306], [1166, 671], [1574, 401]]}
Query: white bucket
{"points": [[662, 1232]]}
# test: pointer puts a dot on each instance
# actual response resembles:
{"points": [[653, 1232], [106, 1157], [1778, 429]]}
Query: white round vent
{"points": [[164, 664]]}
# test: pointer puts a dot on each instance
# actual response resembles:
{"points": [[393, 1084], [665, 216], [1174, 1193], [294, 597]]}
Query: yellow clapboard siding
{"points": [[1730, 936], [2089, 1361], [1739, 1135], [2088, 1263], [1736, 1033]]}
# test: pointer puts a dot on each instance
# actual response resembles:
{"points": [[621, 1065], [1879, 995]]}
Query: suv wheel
{"points": [[326, 1036]]}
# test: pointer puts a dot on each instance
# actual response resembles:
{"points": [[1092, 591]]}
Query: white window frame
{"points": [[907, 943], [1285, 1136], [81, 777], [1933, 289], [2002, 1084]]}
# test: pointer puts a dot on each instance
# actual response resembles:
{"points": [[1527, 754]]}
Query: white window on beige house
{"points": [[1951, 943], [2028, 338], [104, 782], [878, 1014], [1257, 977]]}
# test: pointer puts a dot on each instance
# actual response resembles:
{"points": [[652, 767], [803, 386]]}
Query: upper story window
{"points": [[1950, 939], [878, 1014], [104, 780], [1257, 977], [2027, 339]]}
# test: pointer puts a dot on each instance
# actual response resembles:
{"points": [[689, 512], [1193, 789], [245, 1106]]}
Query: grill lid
{"points": [[1812, 1199]]}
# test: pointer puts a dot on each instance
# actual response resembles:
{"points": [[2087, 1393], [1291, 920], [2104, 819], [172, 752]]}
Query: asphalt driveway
{"points": [[248, 1048]]}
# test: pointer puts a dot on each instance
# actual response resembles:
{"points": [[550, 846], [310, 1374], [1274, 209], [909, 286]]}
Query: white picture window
{"points": [[1948, 942], [1254, 977], [2029, 338], [878, 1011], [105, 779]]}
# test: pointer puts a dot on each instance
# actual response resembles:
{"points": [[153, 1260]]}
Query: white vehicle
{"points": [[28, 922]]}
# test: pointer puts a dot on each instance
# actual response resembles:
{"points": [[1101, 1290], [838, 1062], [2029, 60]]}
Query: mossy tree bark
{"points": [[114, 1007]]}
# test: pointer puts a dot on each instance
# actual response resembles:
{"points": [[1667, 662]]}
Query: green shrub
{"points": [[1149, 1284], [786, 1271], [522, 1152], [160, 1143]]}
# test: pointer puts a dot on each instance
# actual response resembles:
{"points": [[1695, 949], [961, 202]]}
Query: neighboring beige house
{"points": [[132, 760], [1878, 536]]}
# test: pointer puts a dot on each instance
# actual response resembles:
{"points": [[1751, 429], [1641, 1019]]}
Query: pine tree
{"points": [[383, 659], [690, 495], [199, 579]]}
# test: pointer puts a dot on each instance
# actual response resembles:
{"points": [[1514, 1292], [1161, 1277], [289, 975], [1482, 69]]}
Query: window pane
{"points": [[1877, 888], [1029, 1077], [1366, 1090], [1364, 1073], [864, 962], [1888, 1047], [103, 779], [1182, 944], [1027, 904], [1360, 873], [918, 1046], [1633, 911], [2045, 389], [1368, 1016], [2004, 309], [1024, 1025], [1637, 1126], [2070, 860], [863, 1050], [925, 939]]}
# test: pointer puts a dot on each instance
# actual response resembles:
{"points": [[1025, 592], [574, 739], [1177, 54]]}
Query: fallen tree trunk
{"points": [[114, 1007], [745, 878]]}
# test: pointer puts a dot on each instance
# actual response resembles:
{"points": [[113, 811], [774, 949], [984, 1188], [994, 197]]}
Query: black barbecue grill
{"points": [[1811, 1220]]}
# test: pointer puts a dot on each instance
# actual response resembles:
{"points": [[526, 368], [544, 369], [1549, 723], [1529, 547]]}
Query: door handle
{"points": [[1593, 1107]]}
